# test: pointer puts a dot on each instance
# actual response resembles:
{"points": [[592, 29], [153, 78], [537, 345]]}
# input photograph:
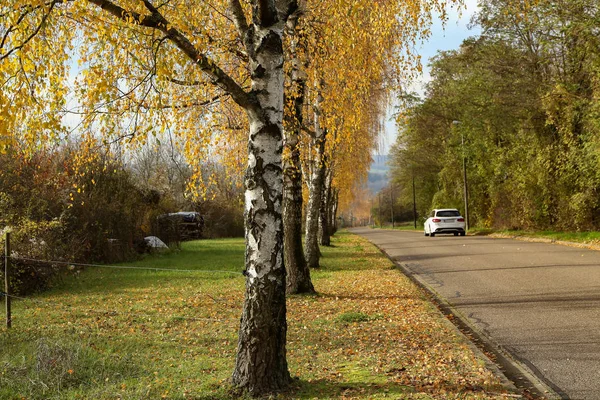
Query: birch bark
{"points": [[298, 274], [261, 364], [334, 208], [325, 211], [315, 189]]}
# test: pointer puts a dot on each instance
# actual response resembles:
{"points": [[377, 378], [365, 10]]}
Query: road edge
{"points": [[531, 239], [514, 375]]}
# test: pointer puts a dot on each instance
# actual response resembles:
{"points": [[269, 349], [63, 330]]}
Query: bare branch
{"points": [[186, 83], [192, 104]]}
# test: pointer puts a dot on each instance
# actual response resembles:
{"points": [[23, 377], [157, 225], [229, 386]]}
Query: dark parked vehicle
{"points": [[183, 225]]}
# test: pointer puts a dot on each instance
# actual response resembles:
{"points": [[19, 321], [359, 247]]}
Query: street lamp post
{"points": [[392, 203], [414, 200], [465, 182], [379, 211]]}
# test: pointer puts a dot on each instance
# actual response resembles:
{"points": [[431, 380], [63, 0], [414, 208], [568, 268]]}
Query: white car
{"points": [[446, 220]]}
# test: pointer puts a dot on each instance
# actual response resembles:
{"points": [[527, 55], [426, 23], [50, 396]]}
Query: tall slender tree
{"points": [[298, 273]]}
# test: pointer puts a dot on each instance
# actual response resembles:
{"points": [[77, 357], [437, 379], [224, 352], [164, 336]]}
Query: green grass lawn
{"points": [[107, 333]]}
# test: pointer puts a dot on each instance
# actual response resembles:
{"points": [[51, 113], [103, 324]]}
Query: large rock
{"points": [[155, 243]]}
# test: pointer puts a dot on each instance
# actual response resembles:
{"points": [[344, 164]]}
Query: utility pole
{"points": [[466, 185], [379, 211], [414, 200], [371, 219], [7, 279], [392, 202]]}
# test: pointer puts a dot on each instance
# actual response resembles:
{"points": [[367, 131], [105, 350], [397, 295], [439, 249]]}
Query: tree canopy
{"points": [[523, 98]]}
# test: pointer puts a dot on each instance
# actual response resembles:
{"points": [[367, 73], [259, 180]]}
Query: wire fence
{"points": [[155, 269], [7, 296]]}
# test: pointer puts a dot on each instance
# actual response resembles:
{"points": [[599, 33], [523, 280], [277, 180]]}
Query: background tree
{"points": [[61, 210], [524, 95]]}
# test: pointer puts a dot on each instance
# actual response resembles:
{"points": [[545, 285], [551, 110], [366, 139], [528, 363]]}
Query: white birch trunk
{"points": [[325, 211], [334, 208], [261, 365]]}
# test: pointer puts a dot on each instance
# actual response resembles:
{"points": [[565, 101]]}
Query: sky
{"points": [[446, 37]]}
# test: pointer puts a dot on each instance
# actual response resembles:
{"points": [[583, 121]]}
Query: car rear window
{"points": [[448, 213]]}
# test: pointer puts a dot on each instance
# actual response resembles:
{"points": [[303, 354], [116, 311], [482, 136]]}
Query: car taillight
{"points": [[436, 220], [461, 220]]}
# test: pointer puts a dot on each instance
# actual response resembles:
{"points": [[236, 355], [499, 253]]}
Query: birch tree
{"points": [[140, 58], [298, 274], [368, 55], [188, 67]]}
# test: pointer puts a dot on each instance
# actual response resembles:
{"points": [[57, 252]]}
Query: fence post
{"points": [[7, 279]]}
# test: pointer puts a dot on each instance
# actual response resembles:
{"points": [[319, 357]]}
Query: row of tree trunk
{"points": [[321, 210], [322, 200], [274, 262]]}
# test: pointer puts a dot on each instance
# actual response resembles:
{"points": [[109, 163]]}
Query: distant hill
{"points": [[379, 173]]}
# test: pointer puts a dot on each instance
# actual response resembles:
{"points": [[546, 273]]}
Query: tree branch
{"points": [[28, 39], [307, 129], [239, 18], [286, 8], [191, 104], [186, 83], [241, 55], [217, 76], [265, 13], [151, 7]]}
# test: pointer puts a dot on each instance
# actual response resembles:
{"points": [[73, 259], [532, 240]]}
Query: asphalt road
{"points": [[539, 301]]}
